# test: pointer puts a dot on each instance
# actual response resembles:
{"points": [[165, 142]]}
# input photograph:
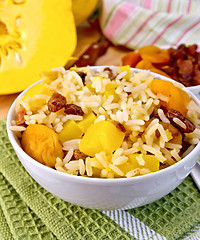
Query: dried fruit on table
{"points": [[176, 98], [32, 33], [42, 143], [158, 71], [154, 54], [145, 64], [131, 58]]}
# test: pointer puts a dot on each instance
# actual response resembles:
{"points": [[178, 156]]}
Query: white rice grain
{"points": [[162, 116], [179, 122], [116, 170], [68, 156], [120, 160], [17, 128]]}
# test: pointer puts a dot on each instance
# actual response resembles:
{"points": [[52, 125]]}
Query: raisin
{"points": [[190, 126], [121, 127], [110, 73], [73, 109], [56, 102], [79, 155], [192, 49], [20, 120], [82, 75], [185, 66]]}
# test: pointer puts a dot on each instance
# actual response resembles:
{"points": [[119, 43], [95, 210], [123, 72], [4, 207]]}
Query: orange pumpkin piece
{"points": [[177, 98], [154, 54], [131, 58]]}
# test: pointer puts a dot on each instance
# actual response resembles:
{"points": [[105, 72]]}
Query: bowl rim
{"points": [[93, 180]]}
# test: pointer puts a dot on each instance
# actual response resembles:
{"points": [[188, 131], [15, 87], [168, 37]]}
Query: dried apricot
{"points": [[154, 54], [131, 58], [42, 143], [177, 98]]}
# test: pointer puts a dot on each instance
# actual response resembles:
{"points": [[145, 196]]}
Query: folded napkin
{"points": [[27, 211], [136, 23]]}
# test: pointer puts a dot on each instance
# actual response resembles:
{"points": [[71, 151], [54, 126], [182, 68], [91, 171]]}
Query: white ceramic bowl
{"points": [[106, 194]]}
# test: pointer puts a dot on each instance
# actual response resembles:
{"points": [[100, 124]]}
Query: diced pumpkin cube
{"points": [[86, 122], [38, 89], [89, 86], [70, 131], [169, 135], [101, 136], [151, 163], [110, 90], [127, 69]]}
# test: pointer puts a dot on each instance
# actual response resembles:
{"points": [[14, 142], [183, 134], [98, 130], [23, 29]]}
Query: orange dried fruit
{"points": [[177, 98], [131, 58], [154, 54], [144, 64]]}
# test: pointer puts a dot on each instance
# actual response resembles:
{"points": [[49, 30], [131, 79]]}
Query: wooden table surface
{"points": [[86, 36]]}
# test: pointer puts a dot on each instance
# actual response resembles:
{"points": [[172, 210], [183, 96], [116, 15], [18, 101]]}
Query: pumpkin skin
{"points": [[35, 36]]}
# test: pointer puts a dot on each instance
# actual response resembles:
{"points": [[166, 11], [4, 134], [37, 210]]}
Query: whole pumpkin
{"points": [[35, 36]]}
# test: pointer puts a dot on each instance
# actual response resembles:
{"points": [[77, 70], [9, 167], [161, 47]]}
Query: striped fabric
{"points": [[136, 23]]}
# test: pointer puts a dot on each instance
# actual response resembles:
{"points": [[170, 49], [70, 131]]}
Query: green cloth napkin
{"points": [[27, 211]]}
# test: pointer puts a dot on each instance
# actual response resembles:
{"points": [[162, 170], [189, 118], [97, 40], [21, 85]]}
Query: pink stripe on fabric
{"points": [[169, 6], [119, 17], [141, 27], [147, 4], [186, 31], [165, 29], [189, 6]]}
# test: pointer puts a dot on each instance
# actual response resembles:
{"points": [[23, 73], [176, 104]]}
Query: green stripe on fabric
{"points": [[172, 33], [4, 228], [144, 37], [111, 13], [174, 214], [24, 224], [66, 221], [191, 36]]}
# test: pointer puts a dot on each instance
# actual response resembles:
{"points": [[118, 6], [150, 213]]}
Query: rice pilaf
{"points": [[119, 96]]}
